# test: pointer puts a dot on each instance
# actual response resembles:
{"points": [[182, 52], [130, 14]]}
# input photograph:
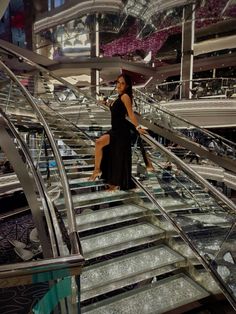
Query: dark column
{"points": [[94, 38], [187, 50], [31, 10]]}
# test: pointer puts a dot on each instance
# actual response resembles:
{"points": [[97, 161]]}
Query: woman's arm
{"points": [[128, 105]]}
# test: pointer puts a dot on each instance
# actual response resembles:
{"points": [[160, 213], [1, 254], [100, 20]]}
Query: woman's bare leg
{"points": [[103, 141]]}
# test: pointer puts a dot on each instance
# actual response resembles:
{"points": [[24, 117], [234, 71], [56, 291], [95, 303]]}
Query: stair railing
{"points": [[227, 143], [226, 206], [75, 244]]}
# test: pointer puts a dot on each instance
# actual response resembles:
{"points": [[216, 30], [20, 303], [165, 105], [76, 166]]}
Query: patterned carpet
{"points": [[20, 299]]}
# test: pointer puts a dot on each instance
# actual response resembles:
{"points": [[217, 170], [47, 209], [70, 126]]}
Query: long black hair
{"points": [[128, 81]]}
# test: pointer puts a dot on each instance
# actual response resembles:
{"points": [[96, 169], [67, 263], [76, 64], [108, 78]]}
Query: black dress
{"points": [[117, 160]]}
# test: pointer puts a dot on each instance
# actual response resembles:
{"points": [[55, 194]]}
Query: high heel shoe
{"points": [[113, 188], [96, 174]]}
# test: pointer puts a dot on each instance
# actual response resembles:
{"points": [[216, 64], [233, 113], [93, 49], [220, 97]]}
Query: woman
{"points": [[113, 149]]}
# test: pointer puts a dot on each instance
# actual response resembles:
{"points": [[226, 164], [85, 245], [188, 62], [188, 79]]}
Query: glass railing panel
{"points": [[30, 128], [55, 90], [155, 113], [204, 217], [202, 88], [21, 112], [224, 261], [23, 234]]}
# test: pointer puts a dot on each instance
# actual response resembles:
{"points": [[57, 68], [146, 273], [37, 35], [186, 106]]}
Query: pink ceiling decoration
{"points": [[206, 15], [130, 43]]}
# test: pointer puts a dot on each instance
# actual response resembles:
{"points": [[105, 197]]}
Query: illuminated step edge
{"points": [[120, 239], [127, 270], [160, 297]]}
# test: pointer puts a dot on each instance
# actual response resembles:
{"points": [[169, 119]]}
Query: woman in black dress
{"points": [[113, 149]]}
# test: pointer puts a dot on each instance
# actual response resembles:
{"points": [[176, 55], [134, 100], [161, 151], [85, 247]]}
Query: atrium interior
{"points": [[67, 243]]}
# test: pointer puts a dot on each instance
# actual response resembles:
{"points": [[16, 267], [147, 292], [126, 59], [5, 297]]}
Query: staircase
{"points": [[135, 260]]}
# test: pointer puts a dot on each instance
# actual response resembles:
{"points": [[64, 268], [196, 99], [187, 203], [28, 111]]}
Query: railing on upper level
{"points": [[202, 88]]}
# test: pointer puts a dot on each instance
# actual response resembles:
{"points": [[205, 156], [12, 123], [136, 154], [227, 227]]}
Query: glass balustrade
{"points": [[202, 88], [154, 112], [33, 132], [198, 210], [25, 129]]}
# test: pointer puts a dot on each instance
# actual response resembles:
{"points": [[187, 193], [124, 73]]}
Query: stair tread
{"points": [[116, 212], [121, 238], [124, 267], [159, 297], [101, 196]]}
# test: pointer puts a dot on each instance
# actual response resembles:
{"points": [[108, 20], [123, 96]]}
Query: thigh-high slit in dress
{"points": [[117, 160]]}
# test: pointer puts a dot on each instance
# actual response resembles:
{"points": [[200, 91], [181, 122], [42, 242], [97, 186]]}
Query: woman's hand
{"points": [[142, 130]]}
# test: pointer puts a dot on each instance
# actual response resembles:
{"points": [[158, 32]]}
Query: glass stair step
{"points": [[95, 198], [119, 239], [8, 178], [126, 270], [175, 204], [83, 182], [111, 215], [160, 297], [79, 151]]}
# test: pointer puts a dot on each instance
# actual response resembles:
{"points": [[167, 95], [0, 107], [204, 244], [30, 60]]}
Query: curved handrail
{"points": [[65, 185], [27, 272], [183, 187], [208, 188], [205, 131], [38, 181], [221, 197]]}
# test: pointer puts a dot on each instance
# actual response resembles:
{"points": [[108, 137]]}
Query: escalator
{"points": [[143, 249]]}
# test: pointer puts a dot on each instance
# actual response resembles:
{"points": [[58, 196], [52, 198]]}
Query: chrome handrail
{"points": [[205, 131], [47, 205], [209, 188], [26, 270], [65, 185], [193, 174]]}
